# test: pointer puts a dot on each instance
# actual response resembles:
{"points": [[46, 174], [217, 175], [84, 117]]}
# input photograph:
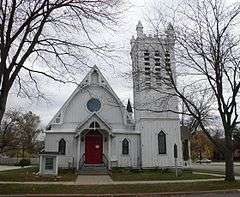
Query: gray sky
{"points": [[58, 93]]}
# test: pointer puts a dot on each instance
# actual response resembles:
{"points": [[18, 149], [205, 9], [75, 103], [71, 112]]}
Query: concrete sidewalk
{"points": [[6, 168], [109, 182], [215, 167], [93, 179]]}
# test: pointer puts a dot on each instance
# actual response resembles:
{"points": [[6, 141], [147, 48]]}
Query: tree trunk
{"points": [[229, 165], [23, 153], [3, 102]]}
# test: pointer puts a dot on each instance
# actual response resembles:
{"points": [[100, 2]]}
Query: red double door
{"points": [[93, 147]]}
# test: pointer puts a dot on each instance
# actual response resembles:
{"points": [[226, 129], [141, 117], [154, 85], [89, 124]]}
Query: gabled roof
{"points": [[93, 118], [84, 84]]}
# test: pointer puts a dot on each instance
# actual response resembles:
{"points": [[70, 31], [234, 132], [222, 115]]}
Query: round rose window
{"points": [[93, 105]]}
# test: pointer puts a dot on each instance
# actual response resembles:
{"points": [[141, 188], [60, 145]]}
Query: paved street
{"points": [[216, 166], [229, 193]]}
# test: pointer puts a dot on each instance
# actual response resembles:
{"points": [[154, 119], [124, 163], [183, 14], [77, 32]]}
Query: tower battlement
{"points": [[150, 56], [166, 37]]}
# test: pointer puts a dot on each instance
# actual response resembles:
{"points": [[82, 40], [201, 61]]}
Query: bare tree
{"points": [[27, 132], [8, 130], [207, 61], [50, 38], [19, 129]]}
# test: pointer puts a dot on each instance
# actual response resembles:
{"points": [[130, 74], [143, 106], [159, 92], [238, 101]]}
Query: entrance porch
{"points": [[93, 147]]}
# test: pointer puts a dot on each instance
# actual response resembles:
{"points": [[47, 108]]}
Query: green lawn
{"points": [[30, 174], [113, 189], [153, 175]]}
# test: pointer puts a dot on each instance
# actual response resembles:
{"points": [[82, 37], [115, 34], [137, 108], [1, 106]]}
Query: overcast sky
{"points": [[58, 93]]}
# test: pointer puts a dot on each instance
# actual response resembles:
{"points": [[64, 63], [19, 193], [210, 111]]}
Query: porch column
{"points": [[109, 150], [189, 152], [78, 151], [56, 170], [41, 165]]}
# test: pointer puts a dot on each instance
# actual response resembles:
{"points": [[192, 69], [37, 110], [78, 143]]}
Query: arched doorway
{"points": [[93, 147]]}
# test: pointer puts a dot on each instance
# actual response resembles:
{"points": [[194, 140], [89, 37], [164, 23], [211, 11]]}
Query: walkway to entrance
{"points": [[93, 180]]}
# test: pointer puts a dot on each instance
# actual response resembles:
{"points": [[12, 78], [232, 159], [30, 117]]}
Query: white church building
{"points": [[93, 127]]}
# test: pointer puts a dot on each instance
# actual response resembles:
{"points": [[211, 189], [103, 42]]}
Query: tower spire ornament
{"points": [[129, 106], [139, 29], [170, 35]]}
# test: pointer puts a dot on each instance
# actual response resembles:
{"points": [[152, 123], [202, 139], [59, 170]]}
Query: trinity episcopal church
{"points": [[94, 128]]}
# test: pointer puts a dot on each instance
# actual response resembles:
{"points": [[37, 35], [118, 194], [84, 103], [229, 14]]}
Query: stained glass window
{"points": [[162, 143], [62, 146], [125, 147], [94, 125], [93, 105]]}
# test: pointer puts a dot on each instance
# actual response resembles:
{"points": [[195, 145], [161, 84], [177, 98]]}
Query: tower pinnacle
{"points": [[139, 29], [129, 106], [170, 34]]}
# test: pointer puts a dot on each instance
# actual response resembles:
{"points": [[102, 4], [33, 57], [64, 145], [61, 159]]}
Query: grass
{"points": [[118, 189], [154, 175], [30, 174]]}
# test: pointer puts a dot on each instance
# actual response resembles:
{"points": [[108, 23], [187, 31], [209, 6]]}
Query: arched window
{"points": [[62, 146], [125, 147], [162, 143], [94, 125]]}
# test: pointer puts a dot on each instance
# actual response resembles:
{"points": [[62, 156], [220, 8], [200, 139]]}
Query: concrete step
{"points": [[94, 165], [92, 173], [99, 169]]}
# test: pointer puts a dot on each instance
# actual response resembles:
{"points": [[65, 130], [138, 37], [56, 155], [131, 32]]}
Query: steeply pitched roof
{"points": [[84, 83], [129, 106]]}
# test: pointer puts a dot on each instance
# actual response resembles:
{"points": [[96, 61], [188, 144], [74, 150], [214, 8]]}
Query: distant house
{"points": [[93, 127], [201, 146]]}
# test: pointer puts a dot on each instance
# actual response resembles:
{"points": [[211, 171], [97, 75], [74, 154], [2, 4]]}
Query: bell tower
{"points": [[151, 57]]}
